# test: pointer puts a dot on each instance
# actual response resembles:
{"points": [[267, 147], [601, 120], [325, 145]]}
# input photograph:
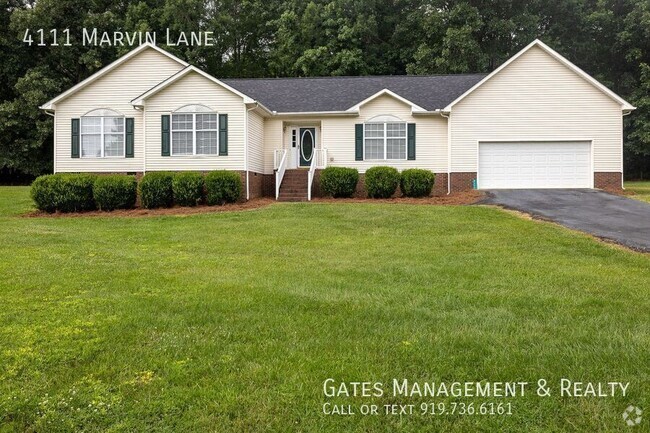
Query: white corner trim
{"points": [[414, 107], [625, 106], [139, 101], [55, 144], [49, 105], [144, 140]]}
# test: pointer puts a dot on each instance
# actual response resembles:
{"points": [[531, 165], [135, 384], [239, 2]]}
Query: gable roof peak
{"points": [[50, 105], [139, 101], [625, 106]]}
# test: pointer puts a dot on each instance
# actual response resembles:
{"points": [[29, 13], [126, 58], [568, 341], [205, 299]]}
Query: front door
{"points": [[307, 143]]}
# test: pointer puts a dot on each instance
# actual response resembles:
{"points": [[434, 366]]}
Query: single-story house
{"points": [[537, 121]]}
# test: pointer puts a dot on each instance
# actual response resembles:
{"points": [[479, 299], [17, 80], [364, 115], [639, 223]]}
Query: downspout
{"points": [[448, 117], [248, 191], [622, 144]]}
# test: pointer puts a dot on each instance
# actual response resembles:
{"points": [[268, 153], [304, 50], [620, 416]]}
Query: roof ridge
{"points": [[355, 76]]}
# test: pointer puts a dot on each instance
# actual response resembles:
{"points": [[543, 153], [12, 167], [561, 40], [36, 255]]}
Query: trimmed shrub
{"points": [[381, 182], [156, 190], [43, 192], [222, 187], [115, 191], [339, 181], [64, 192], [188, 188], [416, 182]]}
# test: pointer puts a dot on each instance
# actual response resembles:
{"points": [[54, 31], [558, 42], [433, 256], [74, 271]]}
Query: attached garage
{"points": [[535, 164], [537, 121]]}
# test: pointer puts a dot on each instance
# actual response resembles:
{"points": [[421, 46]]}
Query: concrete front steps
{"points": [[294, 185]]}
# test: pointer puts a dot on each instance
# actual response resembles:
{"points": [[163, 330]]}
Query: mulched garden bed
{"points": [[459, 198], [142, 212], [463, 198]]}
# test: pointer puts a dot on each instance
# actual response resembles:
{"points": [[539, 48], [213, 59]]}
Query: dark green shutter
{"points": [[129, 138], [223, 134], [75, 139], [164, 129], [358, 142], [410, 138]]}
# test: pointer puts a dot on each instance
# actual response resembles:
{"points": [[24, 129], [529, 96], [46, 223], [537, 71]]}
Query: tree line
{"points": [[609, 39]]}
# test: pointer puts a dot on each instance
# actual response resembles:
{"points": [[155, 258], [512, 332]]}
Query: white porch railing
{"points": [[277, 157], [280, 162], [318, 160]]}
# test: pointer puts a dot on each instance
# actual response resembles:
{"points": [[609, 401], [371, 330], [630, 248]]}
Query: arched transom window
{"points": [[195, 131], [102, 134], [384, 137]]}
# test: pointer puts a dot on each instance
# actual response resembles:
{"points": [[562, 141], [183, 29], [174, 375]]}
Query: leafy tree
{"points": [[609, 39], [26, 131]]}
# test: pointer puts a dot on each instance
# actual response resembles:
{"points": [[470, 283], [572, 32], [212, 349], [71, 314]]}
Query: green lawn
{"points": [[641, 190], [232, 321]]}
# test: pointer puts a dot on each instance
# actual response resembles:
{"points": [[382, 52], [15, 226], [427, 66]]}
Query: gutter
{"points": [[427, 113], [316, 113]]}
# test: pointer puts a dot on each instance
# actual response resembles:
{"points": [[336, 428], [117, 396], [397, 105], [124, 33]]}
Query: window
{"points": [[102, 134], [194, 131], [384, 140]]}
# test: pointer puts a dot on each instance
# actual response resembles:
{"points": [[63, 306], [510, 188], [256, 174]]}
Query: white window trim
{"points": [[101, 137], [386, 141], [193, 130]]}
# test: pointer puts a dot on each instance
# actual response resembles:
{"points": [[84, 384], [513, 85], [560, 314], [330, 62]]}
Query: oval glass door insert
{"points": [[306, 146]]}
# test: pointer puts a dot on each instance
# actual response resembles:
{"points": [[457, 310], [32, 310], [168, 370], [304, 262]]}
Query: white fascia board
{"points": [[49, 105], [414, 107], [139, 101], [625, 106]]}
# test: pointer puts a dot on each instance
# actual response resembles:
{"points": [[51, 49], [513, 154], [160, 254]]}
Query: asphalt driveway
{"points": [[622, 220]]}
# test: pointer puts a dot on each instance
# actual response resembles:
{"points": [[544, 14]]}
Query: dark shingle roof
{"points": [[340, 93]]}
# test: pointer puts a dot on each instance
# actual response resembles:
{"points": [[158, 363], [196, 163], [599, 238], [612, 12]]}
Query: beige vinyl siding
{"points": [[336, 134], [536, 98], [430, 131], [431, 137], [255, 142], [115, 91], [195, 89], [273, 139]]}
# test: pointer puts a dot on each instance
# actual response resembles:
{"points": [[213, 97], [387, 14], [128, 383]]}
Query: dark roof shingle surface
{"points": [[340, 93]]}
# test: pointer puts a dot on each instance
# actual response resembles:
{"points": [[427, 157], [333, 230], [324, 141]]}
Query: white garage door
{"points": [[535, 165]]}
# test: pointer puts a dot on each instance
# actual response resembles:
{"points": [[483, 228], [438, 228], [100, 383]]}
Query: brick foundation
{"points": [[315, 186], [462, 181], [138, 174], [608, 181], [263, 185], [255, 189], [440, 185], [268, 185], [360, 192]]}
